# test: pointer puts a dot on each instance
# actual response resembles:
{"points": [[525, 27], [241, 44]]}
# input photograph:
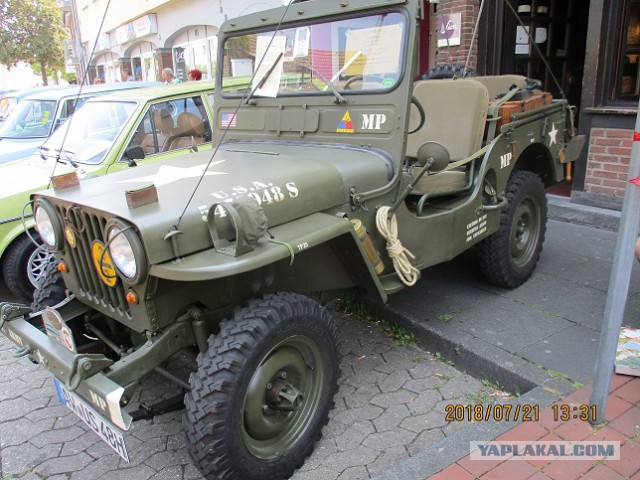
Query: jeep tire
{"points": [[263, 389], [509, 256], [51, 289]]}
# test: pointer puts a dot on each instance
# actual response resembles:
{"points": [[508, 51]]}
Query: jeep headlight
{"points": [[126, 251], [47, 224]]}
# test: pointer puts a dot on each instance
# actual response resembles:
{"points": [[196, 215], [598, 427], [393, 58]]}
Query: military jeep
{"points": [[334, 171]]}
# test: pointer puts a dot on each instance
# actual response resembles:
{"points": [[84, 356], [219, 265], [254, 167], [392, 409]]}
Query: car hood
{"points": [[13, 149], [289, 180]]}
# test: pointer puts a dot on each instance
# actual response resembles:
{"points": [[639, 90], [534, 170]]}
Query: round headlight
{"points": [[47, 224], [122, 253]]}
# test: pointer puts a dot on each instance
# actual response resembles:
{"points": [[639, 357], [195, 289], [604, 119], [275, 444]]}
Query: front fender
{"points": [[285, 242]]}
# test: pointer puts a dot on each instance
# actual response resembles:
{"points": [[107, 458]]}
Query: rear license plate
{"points": [[96, 422]]}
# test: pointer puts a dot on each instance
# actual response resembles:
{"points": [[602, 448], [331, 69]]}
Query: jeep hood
{"points": [[290, 181]]}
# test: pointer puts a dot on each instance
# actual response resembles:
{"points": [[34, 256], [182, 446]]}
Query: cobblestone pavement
{"points": [[390, 406]]}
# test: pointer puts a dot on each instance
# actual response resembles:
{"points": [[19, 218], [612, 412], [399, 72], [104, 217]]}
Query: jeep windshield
{"points": [[345, 55], [89, 134]]}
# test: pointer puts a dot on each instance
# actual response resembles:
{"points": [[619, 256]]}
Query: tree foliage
{"points": [[32, 31]]}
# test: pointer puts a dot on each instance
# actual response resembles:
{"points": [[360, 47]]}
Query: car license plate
{"points": [[103, 428]]}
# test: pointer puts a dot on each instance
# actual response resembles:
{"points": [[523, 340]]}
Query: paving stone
{"points": [[362, 396], [141, 472], [354, 435], [19, 431], [192, 473], [427, 421], [71, 463], [387, 458], [56, 436], [167, 458], [354, 473], [393, 438], [387, 400], [360, 455], [391, 418], [394, 381], [424, 402], [368, 412], [23, 457], [425, 440], [96, 469], [20, 407]]}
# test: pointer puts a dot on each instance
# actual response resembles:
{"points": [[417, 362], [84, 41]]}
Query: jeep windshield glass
{"points": [[30, 119], [354, 54], [89, 133]]}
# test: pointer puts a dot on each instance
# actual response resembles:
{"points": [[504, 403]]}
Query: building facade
{"points": [[144, 36]]}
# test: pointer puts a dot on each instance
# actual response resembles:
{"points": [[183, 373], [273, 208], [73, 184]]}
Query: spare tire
{"points": [[449, 70]]}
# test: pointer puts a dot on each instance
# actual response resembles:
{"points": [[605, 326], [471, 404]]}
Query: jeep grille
{"points": [[89, 227]]}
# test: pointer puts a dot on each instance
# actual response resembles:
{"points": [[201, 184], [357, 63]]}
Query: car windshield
{"points": [[90, 132], [356, 54], [30, 119]]}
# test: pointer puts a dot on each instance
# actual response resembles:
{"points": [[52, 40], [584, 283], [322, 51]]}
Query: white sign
{"points": [[269, 61]]}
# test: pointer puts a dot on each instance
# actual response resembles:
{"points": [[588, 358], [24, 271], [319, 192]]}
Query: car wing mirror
{"points": [[133, 153]]}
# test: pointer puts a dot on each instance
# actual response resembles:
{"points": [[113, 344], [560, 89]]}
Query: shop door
{"points": [[559, 30]]}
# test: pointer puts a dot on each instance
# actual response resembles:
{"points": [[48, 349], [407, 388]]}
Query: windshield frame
{"points": [[58, 150], [403, 60]]}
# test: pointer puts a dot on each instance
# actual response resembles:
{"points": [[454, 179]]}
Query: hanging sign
{"points": [[449, 28]]}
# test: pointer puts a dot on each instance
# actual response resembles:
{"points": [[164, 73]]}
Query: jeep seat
{"points": [[455, 116], [164, 128], [498, 85]]}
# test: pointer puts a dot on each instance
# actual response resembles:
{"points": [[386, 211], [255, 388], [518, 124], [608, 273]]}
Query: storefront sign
{"points": [[449, 28], [140, 27]]}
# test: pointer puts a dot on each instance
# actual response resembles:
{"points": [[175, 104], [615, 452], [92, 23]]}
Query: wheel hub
{"points": [[283, 396]]}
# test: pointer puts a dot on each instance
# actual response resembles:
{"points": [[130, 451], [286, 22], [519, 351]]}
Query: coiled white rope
{"points": [[388, 228]]}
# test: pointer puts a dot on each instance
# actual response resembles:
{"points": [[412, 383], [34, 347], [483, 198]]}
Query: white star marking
{"points": [[552, 135], [168, 174]]}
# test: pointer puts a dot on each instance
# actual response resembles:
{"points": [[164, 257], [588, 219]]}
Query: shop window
{"points": [[628, 71]]}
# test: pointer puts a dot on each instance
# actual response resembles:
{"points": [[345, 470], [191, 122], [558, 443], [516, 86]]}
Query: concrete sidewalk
{"points": [[538, 341]]}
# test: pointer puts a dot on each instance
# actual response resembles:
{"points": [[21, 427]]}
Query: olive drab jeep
{"points": [[333, 170]]}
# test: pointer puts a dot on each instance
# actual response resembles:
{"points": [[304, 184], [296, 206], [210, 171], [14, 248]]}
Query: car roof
{"points": [[158, 92], [20, 94], [73, 90]]}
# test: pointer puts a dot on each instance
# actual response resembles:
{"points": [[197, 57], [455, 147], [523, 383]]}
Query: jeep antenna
{"points": [[174, 229]]}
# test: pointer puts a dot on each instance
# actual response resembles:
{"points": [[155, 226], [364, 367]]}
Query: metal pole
{"points": [[619, 283]]}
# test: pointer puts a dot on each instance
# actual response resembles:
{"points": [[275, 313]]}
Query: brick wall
{"points": [[608, 161], [458, 54]]}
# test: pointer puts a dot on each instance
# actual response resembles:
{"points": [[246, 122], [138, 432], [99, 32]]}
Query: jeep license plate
{"points": [[96, 422]]}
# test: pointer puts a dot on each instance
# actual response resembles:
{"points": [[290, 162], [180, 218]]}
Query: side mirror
{"points": [[133, 153], [433, 156]]}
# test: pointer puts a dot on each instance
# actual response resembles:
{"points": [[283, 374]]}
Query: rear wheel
{"points": [[263, 390], [509, 256]]}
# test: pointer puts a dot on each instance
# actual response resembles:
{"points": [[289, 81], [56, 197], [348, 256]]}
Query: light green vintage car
{"points": [[109, 133]]}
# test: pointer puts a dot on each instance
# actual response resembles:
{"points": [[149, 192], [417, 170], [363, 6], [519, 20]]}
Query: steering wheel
{"points": [[347, 85], [415, 102]]}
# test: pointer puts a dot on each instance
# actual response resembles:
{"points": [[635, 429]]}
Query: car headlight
{"points": [[126, 251], [47, 224]]}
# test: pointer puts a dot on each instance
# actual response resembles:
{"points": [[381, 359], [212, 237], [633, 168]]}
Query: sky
{"points": [[19, 77]]}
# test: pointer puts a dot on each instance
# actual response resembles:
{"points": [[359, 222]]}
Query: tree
{"points": [[32, 31]]}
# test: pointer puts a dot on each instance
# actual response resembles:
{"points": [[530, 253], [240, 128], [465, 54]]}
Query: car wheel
{"points": [[263, 389], [509, 256], [15, 267]]}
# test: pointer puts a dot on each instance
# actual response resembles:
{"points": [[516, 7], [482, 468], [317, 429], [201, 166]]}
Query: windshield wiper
{"points": [[326, 81], [265, 77]]}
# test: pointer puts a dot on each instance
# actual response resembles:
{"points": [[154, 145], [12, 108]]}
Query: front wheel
{"points": [[263, 389], [509, 256]]}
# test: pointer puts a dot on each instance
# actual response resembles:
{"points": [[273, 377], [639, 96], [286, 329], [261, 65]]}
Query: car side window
{"points": [[144, 136], [191, 127]]}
